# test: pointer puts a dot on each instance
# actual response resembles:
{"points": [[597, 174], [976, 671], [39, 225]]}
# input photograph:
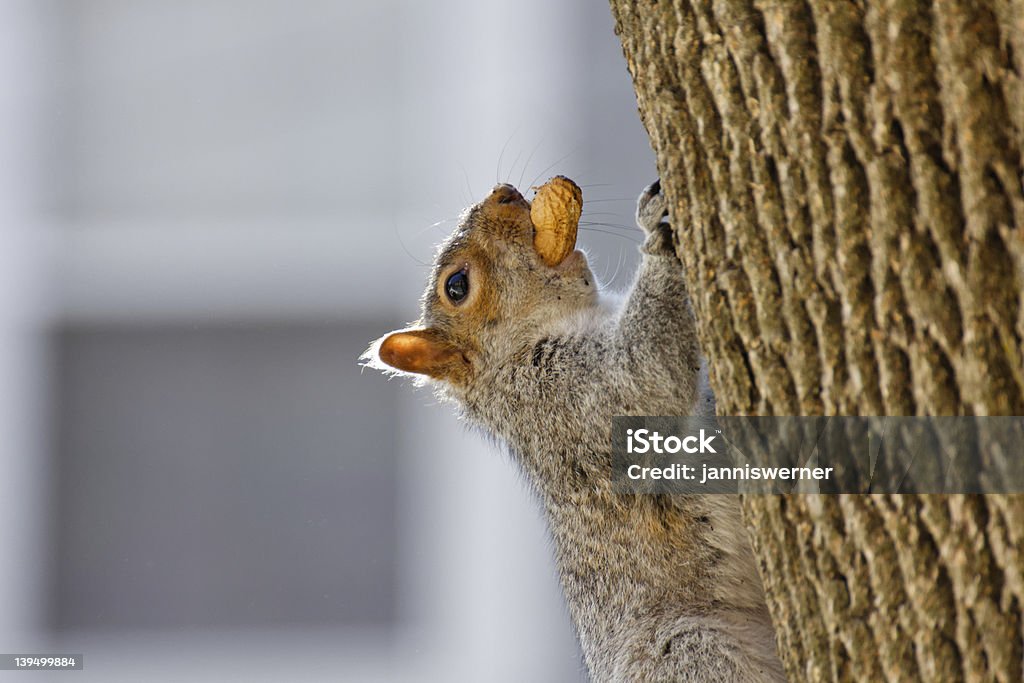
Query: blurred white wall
{"points": [[214, 165], [23, 304]]}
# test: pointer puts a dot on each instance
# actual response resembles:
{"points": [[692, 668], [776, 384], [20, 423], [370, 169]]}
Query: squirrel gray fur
{"points": [[659, 587]]}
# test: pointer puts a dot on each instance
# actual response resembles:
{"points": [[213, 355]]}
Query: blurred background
{"points": [[208, 209]]}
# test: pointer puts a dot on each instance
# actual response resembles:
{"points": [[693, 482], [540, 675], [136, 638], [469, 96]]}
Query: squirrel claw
{"points": [[651, 208], [652, 218]]}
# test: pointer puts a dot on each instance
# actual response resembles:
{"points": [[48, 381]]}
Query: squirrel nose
{"points": [[506, 194]]}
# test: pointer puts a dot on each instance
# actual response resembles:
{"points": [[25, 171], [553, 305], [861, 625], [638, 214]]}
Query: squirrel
{"points": [[659, 587]]}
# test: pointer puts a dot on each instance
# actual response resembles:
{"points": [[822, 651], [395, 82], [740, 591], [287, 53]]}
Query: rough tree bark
{"points": [[845, 180]]}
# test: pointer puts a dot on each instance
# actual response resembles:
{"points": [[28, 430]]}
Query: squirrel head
{"points": [[496, 282]]}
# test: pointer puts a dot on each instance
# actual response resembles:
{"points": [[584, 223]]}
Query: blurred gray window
{"points": [[222, 476]]}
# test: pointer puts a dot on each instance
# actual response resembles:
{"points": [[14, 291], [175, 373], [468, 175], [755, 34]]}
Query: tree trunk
{"points": [[845, 181]]}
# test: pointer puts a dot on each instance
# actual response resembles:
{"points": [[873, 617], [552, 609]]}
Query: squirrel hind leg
{"points": [[697, 652]]}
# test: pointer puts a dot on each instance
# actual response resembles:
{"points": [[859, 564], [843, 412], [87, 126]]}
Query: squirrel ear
{"points": [[421, 352]]}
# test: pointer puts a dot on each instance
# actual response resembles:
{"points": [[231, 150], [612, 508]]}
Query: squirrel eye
{"points": [[457, 286]]}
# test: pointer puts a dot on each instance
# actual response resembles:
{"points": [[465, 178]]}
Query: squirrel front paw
{"points": [[652, 218]]}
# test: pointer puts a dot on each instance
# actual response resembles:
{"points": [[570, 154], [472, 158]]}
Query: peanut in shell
{"points": [[555, 213]]}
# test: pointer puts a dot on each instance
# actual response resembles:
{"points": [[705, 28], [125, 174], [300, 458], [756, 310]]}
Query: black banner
{"points": [[772, 455]]}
